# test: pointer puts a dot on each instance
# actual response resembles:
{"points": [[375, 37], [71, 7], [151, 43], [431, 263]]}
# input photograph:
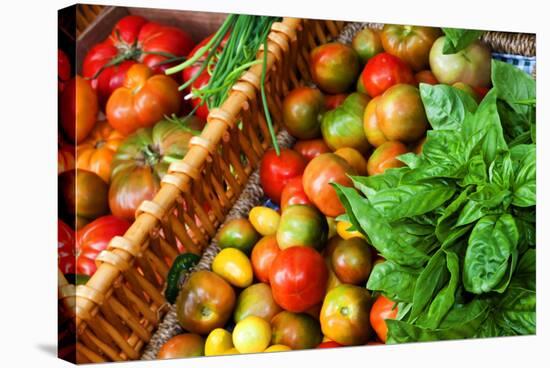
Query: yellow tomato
{"points": [[232, 351], [252, 335], [354, 158], [342, 230], [264, 219], [331, 226], [234, 266], [278, 347], [217, 342]]}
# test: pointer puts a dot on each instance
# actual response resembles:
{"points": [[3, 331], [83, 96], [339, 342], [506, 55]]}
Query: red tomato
{"points": [[311, 148], [381, 310], [65, 159], [383, 71], [93, 238], [298, 278], [65, 248], [329, 344], [426, 76], [276, 171], [481, 91], [263, 255], [63, 69], [293, 193], [134, 38]]}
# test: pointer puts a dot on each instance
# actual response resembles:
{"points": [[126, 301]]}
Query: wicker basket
{"points": [[120, 307]]}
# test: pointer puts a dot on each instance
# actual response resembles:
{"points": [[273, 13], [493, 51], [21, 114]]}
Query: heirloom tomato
{"points": [[134, 39], [293, 193], [329, 344], [382, 309], [367, 43], [276, 171], [95, 237], [264, 219], [371, 124], [78, 109], [263, 255], [238, 233], [385, 157], [401, 115], [277, 348], [182, 346], [298, 278], [471, 65], [96, 152], [302, 225], [426, 76], [252, 335], [142, 100], [334, 67], [64, 70], [352, 260], [65, 159], [205, 302], [311, 148], [345, 315], [343, 126], [302, 111], [333, 101], [66, 255], [411, 44], [319, 173], [256, 300], [296, 330], [354, 158], [383, 71], [141, 161], [82, 196], [217, 342]]}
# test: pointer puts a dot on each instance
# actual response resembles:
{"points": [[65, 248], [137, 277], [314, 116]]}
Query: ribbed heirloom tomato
{"points": [[142, 100], [302, 111], [298, 278], [93, 238], [263, 254], [133, 39], [383, 71], [96, 152], [293, 193], [311, 148], [334, 67], [276, 171]]}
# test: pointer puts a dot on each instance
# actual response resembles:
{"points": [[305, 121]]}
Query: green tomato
{"points": [[302, 111], [367, 43], [256, 300], [343, 126], [240, 234], [302, 225]]}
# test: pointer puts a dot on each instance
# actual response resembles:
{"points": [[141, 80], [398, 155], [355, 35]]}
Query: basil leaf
{"points": [[517, 311], [461, 322], [392, 245], [458, 39], [369, 185], [513, 85], [525, 274], [394, 281], [449, 216], [501, 170], [445, 106], [477, 172], [524, 184], [488, 121], [490, 246], [445, 298], [412, 199], [430, 281], [411, 159]]}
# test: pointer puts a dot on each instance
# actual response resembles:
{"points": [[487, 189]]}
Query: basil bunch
{"points": [[456, 225]]}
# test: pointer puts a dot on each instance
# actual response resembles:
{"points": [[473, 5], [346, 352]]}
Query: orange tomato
{"points": [[143, 100], [381, 310], [65, 159], [78, 109], [354, 158], [96, 152]]}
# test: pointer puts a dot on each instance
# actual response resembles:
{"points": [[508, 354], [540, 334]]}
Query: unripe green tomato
{"points": [[302, 111], [302, 225], [367, 43], [238, 233]]}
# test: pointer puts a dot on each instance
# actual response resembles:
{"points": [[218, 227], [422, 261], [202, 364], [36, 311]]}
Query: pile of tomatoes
{"points": [[294, 277], [120, 127]]}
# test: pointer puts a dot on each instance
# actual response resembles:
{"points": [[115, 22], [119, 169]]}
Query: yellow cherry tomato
{"points": [[232, 351], [342, 230], [217, 342], [264, 219], [252, 335], [234, 266], [354, 158], [277, 347]]}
